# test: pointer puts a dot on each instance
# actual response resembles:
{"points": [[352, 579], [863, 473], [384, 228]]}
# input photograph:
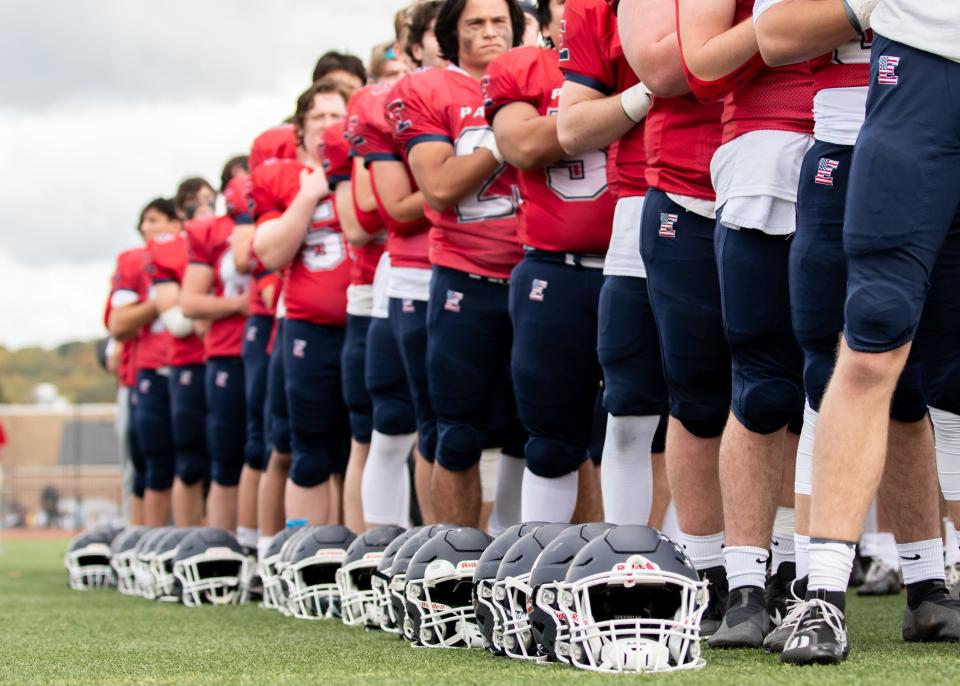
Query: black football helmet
{"points": [[547, 623], [358, 601], [166, 586], [143, 561], [311, 573], [122, 551], [512, 595], [88, 559], [634, 603], [274, 587], [439, 589], [487, 618], [398, 576], [380, 582], [210, 566]]}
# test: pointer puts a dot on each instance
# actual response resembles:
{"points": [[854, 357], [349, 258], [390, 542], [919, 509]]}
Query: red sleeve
{"points": [[198, 240], [265, 191], [414, 112], [126, 275], [583, 57], [502, 83], [337, 164], [167, 258], [279, 142]]}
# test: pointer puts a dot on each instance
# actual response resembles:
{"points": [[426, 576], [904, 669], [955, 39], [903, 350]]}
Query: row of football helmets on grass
{"points": [[595, 596]]}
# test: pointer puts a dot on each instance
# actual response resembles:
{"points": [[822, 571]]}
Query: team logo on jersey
{"points": [[453, 301], [537, 289], [299, 347], [395, 112], [144, 386], [887, 70], [252, 333], [825, 169], [667, 222], [222, 378], [407, 306], [186, 377]]}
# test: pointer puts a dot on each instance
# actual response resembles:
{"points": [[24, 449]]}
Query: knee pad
{"points": [[458, 446], [659, 443], [550, 459], [255, 455], [766, 405], [817, 368], [139, 483], [878, 317], [795, 425], [191, 467], [159, 473], [393, 416], [280, 433], [361, 424], [226, 471], [311, 470], [427, 439], [706, 424]]}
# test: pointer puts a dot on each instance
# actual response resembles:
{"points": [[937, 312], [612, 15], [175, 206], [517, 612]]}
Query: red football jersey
{"points": [[479, 234], [338, 166], [407, 242], [315, 283], [846, 67], [167, 263], [258, 308], [591, 55], [566, 206], [278, 143], [209, 245], [132, 285], [126, 371], [357, 109], [776, 99]]}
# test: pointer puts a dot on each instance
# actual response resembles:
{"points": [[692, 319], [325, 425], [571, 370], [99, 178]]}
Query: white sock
{"points": [[403, 515], [782, 550], [887, 549], [953, 548], [746, 566], [506, 504], [921, 560], [801, 546], [548, 500], [384, 482], [830, 565], [803, 472], [247, 537], [626, 474], [946, 433], [704, 551], [263, 544], [671, 526]]}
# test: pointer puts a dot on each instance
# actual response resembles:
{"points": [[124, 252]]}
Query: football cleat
{"points": [[881, 579], [745, 623], [777, 638], [820, 637]]}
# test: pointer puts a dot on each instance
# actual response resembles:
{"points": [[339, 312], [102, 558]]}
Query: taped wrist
{"points": [[636, 102]]}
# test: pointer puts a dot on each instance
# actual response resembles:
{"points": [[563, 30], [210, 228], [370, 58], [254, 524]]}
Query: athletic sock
{"points": [[951, 547], [887, 549], [671, 527], [801, 545], [782, 549], [383, 475], [830, 565], [921, 564], [247, 537], [548, 500], [704, 551], [746, 566], [263, 545], [506, 504], [626, 473]]}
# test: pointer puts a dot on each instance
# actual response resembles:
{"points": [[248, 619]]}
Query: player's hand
{"points": [[241, 304], [313, 184]]}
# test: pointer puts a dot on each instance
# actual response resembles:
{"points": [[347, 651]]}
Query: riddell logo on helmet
{"points": [[372, 556], [467, 565], [632, 568]]}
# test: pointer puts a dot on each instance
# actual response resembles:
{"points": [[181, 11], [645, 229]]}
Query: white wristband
{"points": [[490, 143], [176, 323], [858, 12], [636, 102]]}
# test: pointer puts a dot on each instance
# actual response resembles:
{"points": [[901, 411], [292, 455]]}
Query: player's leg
{"points": [[270, 513], [255, 363], [355, 395], [504, 444], [188, 407], [138, 481], [226, 423], [154, 437]]}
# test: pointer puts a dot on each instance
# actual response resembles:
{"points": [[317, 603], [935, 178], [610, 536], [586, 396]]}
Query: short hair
{"points": [[379, 56], [305, 101], [334, 61], [420, 20], [446, 28], [188, 189], [163, 206], [543, 14], [225, 174]]}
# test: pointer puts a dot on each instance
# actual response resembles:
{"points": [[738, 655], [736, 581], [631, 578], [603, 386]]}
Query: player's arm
{"points": [[588, 119], [126, 320], [713, 45], [355, 234], [392, 186], [197, 302], [241, 242], [526, 139], [793, 31], [648, 33], [277, 241], [167, 298], [447, 178]]}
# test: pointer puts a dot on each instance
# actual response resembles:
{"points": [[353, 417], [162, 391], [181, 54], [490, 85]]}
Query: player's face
{"points": [[531, 30], [393, 71], [485, 32], [428, 52], [328, 108], [347, 79], [201, 205], [552, 30], [155, 223]]}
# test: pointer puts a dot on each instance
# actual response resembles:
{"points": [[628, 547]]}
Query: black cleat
{"points": [[777, 638], [717, 588], [936, 619], [777, 592], [820, 637], [746, 621]]}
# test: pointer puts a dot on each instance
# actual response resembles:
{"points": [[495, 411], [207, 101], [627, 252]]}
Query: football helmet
{"points": [[512, 594], [274, 587], [143, 565], [122, 551], [380, 582], [439, 589], [88, 559], [398, 575], [487, 618], [547, 623], [311, 572], [165, 584], [633, 602], [210, 566], [358, 602]]}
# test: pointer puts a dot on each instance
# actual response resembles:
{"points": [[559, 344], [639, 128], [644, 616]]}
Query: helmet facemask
{"points": [[313, 585], [166, 586], [443, 601], [122, 563], [212, 577], [487, 613], [359, 602], [549, 624], [89, 567], [513, 597]]}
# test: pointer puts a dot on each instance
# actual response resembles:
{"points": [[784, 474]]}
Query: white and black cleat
{"points": [[820, 637]]}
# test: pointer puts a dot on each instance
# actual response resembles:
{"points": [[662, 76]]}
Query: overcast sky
{"points": [[108, 103]]}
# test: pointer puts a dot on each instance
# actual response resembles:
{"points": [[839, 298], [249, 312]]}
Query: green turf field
{"points": [[51, 635]]}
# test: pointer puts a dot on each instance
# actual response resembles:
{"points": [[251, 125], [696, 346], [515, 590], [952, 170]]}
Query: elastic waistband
{"points": [[569, 258], [490, 279]]}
